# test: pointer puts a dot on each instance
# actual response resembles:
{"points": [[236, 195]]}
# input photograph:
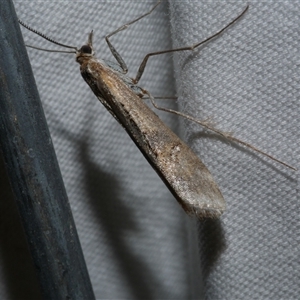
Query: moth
{"points": [[179, 167]]}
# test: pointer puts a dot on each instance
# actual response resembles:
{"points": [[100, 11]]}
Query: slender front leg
{"points": [[123, 27]]}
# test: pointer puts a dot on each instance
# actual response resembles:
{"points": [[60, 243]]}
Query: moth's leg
{"points": [[161, 98], [192, 47], [123, 27], [208, 126]]}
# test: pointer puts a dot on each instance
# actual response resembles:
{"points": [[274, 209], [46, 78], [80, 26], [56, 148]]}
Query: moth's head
{"points": [[86, 50]]}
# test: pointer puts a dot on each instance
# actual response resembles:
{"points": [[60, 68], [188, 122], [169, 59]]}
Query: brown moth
{"points": [[178, 166]]}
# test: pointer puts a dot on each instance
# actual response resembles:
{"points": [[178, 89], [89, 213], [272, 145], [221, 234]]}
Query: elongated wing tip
{"points": [[204, 213], [203, 205], [193, 186]]}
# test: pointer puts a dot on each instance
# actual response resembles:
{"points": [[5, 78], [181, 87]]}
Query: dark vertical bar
{"points": [[34, 172]]}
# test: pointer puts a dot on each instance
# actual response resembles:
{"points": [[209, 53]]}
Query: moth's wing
{"points": [[184, 173], [179, 167]]}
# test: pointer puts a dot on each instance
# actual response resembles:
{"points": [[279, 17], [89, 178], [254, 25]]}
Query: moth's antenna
{"points": [[48, 39]]}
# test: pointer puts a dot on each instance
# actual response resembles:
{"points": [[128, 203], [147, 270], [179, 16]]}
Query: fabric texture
{"points": [[137, 241], [247, 81]]}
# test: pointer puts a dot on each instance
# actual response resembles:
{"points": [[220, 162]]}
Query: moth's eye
{"points": [[86, 49]]}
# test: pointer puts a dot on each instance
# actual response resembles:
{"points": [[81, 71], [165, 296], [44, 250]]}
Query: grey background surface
{"points": [[137, 241]]}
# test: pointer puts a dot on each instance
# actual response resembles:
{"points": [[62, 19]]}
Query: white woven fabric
{"points": [[137, 241], [247, 80]]}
